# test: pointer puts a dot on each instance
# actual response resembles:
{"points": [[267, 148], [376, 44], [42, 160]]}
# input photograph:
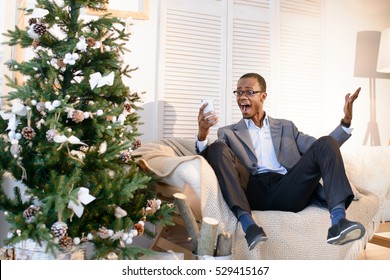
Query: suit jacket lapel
{"points": [[241, 131], [276, 134]]}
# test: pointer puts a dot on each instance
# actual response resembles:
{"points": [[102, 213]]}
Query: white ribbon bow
{"points": [[83, 197], [97, 80], [39, 13], [18, 109], [72, 140]]}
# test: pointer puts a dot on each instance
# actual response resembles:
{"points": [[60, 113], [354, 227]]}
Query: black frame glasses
{"points": [[247, 92]]}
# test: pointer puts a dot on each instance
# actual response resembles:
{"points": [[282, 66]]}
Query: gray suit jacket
{"points": [[289, 143]]}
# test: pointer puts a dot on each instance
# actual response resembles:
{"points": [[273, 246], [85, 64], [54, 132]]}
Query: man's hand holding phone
{"points": [[206, 118]]}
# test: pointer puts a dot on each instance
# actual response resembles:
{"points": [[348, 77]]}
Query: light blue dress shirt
{"points": [[264, 148]]}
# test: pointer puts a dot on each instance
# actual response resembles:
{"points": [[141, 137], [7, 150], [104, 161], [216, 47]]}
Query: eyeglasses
{"points": [[247, 92]]}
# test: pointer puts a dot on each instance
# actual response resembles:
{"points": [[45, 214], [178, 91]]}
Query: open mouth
{"points": [[245, 108]]}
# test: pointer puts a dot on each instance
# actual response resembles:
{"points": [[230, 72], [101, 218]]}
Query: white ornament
{"points": [[56, 103], [99, 112], [103, 148], [125, 236], [34, 102], [134, 232], [70, 58], [120, 213], [76, 240], [49, 106], [82, 44], [12, 135], [129, 241], [90, 236]]}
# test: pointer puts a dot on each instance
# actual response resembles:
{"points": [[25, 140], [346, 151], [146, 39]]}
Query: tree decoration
{"points": [[68, 134], [59, 229]]}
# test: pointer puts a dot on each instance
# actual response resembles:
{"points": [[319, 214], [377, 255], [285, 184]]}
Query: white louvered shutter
{"points": [[299, 79], [193, 64], [206, 45], [251, 47]]}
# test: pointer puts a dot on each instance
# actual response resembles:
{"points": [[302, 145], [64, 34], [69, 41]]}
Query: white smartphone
{"points": [[210, 105]]}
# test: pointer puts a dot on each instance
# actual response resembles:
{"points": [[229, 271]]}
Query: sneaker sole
{"points": [[258, 240], [350, 234]]}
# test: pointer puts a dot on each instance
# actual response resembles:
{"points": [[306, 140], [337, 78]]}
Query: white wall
{"points": [[343, 19], [143, 47]]}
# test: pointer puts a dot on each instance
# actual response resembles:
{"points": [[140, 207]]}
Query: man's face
{"points": [[251, 106]]}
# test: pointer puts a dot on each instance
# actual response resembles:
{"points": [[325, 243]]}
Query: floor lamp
{"points": [[383, 65], [366, 59]]}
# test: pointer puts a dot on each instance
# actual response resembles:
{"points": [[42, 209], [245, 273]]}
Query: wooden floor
{"points": [[375, 252]]}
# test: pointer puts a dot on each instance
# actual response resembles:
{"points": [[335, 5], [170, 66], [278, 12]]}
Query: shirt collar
{"points": [[249, 123]]}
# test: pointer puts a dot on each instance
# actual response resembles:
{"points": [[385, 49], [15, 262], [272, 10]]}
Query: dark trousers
{"points": [[293, 191]]}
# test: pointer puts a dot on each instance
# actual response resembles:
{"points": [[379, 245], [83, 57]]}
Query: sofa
{"points": [[291, 235]]}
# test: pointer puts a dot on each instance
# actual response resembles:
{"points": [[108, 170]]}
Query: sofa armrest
{"points": [[186, 174], [367, 169], [185, 179]]}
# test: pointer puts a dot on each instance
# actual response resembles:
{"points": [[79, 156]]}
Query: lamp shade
{"points": [[383, 64]]}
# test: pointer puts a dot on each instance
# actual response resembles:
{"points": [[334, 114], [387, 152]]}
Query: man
{"points": [[264, 163]]}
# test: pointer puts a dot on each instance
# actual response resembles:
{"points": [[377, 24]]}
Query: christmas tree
{"points": [[69, 132]]}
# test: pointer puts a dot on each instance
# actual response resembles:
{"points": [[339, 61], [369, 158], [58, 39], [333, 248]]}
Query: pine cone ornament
{"points": [[60, 63], [59, 229], [127, 107], [39, 29], [78, 116], [125, 157], [91, 42], [32, 21], [152, 206], [30, 212], [137, 144], [140, 228], [65, 242], [28, 133]]}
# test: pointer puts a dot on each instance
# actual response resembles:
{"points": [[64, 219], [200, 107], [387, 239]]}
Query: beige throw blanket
{"points": [[162, 157]]}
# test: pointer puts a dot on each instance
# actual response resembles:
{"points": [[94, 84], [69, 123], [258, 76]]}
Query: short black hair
{"points": [[260, 79]]}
